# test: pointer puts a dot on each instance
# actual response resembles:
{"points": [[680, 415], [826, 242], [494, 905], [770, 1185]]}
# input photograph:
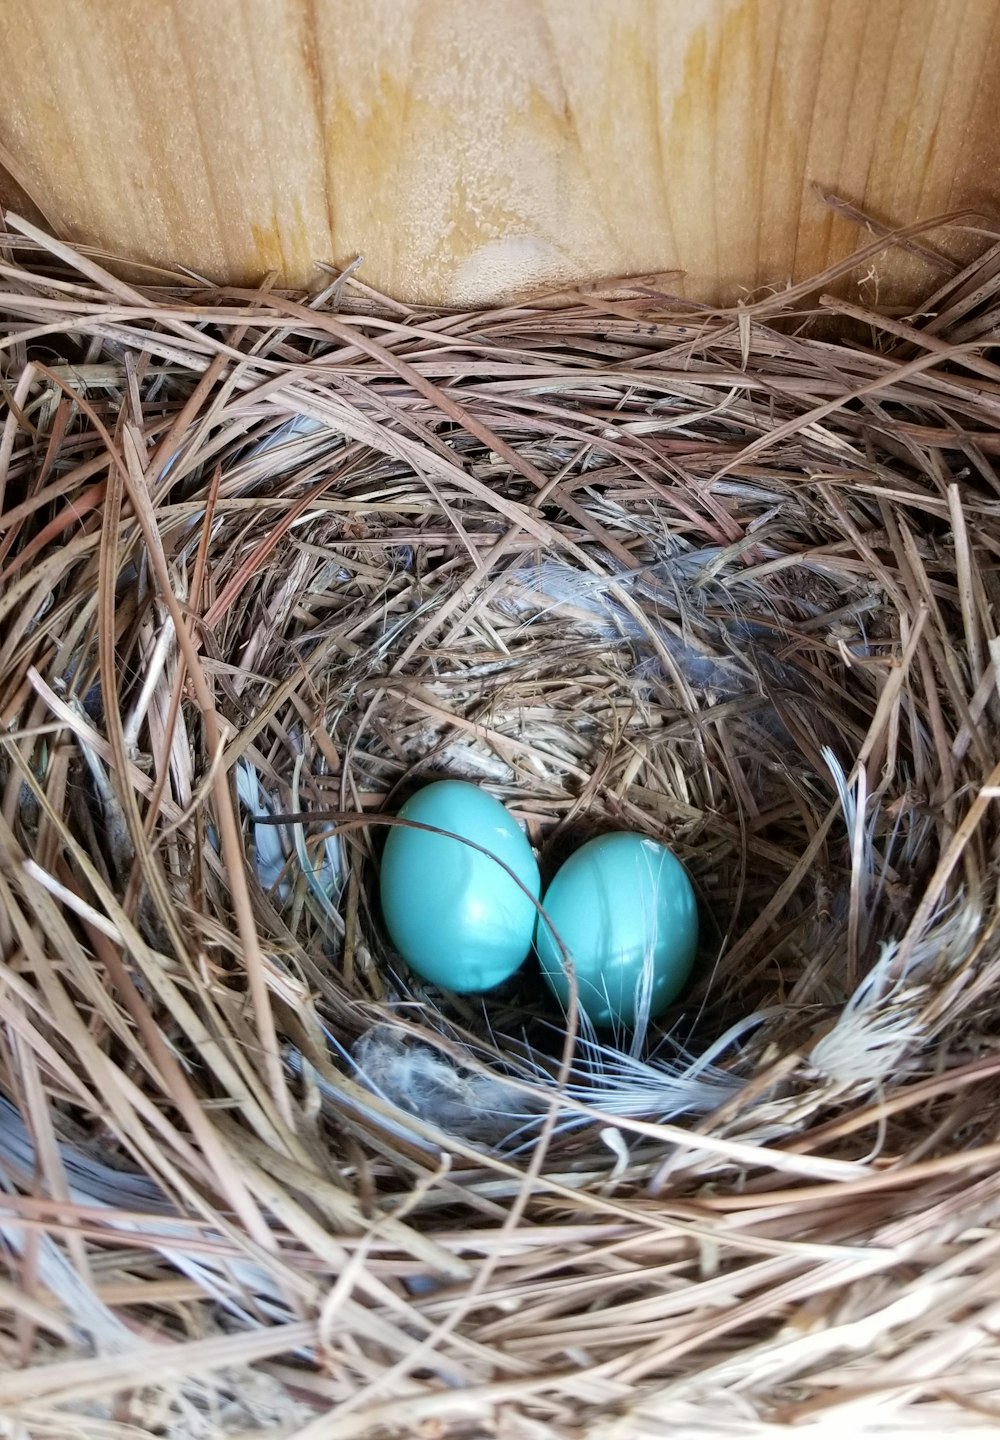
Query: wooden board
{"points": [[472, 150]]}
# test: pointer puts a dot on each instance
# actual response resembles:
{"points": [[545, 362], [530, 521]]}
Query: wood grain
{"points": [[472, 150]]}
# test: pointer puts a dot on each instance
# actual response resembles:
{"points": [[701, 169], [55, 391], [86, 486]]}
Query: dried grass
{"points": [[630, 564]]}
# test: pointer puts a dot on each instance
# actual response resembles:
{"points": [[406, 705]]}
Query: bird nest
{"points": [[268, 564]]}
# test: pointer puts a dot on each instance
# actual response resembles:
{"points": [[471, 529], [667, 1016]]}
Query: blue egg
{"points": [[623, 907], [457, 917]]}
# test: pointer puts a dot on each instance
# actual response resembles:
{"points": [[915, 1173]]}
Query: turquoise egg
{"points": [[624, 908], [456, 916]]}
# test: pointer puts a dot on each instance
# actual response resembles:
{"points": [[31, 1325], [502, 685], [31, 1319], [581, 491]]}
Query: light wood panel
{"points": [[476, 149]]}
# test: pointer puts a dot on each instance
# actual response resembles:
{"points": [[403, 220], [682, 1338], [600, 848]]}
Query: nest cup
{"points": [[269, 564]]}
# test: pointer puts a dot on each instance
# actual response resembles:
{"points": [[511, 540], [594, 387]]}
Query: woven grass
{"points": [[628, 564]]}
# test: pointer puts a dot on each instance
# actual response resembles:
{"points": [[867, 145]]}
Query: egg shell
{"points": [[457, 917], [624, 908]]}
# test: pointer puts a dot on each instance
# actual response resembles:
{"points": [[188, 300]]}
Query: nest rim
{"points": [[414, 448]]}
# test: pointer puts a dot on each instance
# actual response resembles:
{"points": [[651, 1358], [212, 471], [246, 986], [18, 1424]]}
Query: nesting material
{"points": [[268, 564]]}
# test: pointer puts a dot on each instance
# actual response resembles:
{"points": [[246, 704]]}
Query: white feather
{"points": [[417, 1078], [555, 585], [423, 1081], [884, 1020], [274, 845]]}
